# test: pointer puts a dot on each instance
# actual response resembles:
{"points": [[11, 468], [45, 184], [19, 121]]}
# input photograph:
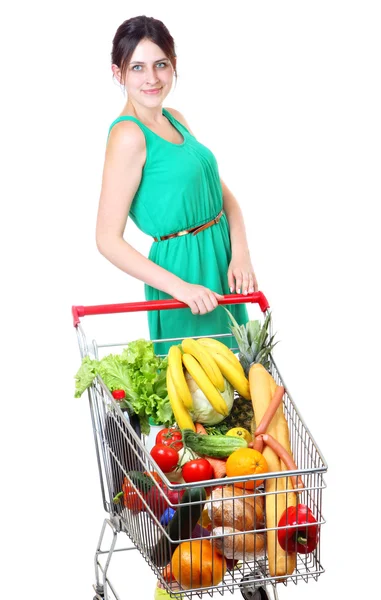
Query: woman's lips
{"points": [[151, 91]]}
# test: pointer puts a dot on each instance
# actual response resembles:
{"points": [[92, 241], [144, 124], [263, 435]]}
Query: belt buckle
{"points": [[184, 232]]}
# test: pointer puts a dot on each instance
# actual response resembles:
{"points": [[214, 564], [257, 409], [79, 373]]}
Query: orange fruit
{"points": [[246, 461], [197, 564]]}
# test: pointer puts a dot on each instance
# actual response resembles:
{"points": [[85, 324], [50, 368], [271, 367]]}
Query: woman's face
{"points": [[148, 69]]}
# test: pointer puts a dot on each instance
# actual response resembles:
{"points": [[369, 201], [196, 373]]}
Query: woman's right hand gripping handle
{"points": [[200, 299]]}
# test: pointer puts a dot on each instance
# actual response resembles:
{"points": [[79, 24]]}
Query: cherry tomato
{"points": [[198, 469], [165, 457], [171, 436]]}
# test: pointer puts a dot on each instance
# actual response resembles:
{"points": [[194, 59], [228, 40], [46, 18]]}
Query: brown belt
{"points": [[193, 231]]}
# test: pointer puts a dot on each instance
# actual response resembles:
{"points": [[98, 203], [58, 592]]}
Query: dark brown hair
{"points": [[131, 32]]}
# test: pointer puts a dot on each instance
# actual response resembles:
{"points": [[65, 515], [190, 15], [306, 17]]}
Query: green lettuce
{"points": [[137, 371]]}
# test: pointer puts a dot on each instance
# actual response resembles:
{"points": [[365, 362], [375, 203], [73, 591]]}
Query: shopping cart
{"points": [[122, 456]]}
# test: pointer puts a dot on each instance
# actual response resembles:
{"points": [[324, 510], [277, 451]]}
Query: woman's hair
{"points": [[131, 32]]}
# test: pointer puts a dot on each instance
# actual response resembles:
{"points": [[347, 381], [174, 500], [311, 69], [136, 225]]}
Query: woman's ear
{"points": [[116, 72]]}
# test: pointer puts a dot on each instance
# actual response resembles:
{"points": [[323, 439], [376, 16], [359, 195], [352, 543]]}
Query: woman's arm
{"points": [[125, 157], [124, 161], [241, 276]]}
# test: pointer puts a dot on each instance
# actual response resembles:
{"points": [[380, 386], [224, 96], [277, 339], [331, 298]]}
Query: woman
{"points": [[157, 173]]}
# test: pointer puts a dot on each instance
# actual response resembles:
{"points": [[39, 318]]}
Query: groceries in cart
{"points": [[225, 430]]}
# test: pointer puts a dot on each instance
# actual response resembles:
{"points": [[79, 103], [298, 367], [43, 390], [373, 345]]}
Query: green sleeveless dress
{"points": [[180, 189]]}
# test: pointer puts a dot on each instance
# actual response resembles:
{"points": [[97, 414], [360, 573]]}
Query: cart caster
{"points": [[251, 591], [99, 592]]}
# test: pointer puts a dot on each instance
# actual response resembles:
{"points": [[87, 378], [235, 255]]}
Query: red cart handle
{"points": [[105, 309]]}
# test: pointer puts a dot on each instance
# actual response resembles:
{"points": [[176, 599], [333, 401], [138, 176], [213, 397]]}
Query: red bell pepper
{"points": [[301, 533]]}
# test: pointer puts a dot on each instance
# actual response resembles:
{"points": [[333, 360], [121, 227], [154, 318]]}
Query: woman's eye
{"points": [[161, 63]]}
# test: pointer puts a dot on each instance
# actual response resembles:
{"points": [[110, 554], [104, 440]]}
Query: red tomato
{"points": [[198, 469], [165, 457], [171, 436], [131, 499]]}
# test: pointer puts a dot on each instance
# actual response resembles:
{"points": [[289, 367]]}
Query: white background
{"points": [[287, 95]]}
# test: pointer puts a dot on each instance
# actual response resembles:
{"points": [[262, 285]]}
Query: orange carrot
{"points": [[285, 457], [270, 411], [219, 466], [200, 429]]}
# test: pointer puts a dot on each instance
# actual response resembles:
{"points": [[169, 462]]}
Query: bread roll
{"points": [[242, 514], [242, 546]]}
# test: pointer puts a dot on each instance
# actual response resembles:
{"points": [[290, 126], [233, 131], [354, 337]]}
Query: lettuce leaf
{"points": [[142, 376], [85, 375]]}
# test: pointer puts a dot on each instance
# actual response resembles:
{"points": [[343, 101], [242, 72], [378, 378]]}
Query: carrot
{"points": [[200, 429], [285, 457], [270, 411], [219, 466]]}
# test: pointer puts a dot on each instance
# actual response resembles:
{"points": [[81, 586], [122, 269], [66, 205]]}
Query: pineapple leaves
{"points": [[252, 328], [254, 341]]}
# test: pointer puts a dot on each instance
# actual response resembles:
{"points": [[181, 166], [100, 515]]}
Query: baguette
{"points": [[262, 389]]}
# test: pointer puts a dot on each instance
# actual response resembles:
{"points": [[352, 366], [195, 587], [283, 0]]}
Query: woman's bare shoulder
{"points": [[126, 133]]}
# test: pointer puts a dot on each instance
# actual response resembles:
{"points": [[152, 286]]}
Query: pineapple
{"points": [[255, 345], [254, 342]]}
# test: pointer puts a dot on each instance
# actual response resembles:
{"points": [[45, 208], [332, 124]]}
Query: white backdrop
{"points": [[287, 95]]}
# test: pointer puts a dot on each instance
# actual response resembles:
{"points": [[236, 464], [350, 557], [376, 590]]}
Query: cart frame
{"points": [[117, 445]]}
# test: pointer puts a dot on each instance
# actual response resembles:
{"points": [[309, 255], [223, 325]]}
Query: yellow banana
{"points": [[206, 361], [214, 346], [182, 416], [211, 392], [233, 375], [175, 365]]}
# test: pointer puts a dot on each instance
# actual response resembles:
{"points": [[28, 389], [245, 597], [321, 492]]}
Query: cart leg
{"points": [[101, 586]]}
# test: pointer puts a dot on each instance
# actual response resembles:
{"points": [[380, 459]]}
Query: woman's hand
{"points": [[200, 299], [241, 277]]}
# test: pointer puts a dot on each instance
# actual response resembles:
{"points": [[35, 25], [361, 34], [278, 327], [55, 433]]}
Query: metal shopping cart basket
{"points": [[125, 464]]}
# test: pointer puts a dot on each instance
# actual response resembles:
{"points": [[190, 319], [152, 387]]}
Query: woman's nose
{"points": [[151, 75]]}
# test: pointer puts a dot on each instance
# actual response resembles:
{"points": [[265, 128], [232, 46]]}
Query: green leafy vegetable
{"points": [[85, 376], [137, 371]]}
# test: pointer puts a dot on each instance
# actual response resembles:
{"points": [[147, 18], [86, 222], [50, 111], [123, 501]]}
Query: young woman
{"points": [[160, 175]]}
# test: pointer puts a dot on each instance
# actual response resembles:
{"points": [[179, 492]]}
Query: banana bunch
{"points": [[228, 364], [209, 363]]}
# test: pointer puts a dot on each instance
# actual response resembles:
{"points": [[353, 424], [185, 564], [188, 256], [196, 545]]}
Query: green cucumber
{"points": [[180, 526], [215, 446]]}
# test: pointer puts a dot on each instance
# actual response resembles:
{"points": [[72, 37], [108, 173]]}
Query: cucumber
{"points": [[215, 446], [180, 527]]}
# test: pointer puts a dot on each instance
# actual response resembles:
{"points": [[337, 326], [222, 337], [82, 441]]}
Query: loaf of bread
{"points": [[241, 546], [227, 511]]}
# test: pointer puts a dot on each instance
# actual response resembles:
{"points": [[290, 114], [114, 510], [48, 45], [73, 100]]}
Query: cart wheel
{"points": [[252, 592]]}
